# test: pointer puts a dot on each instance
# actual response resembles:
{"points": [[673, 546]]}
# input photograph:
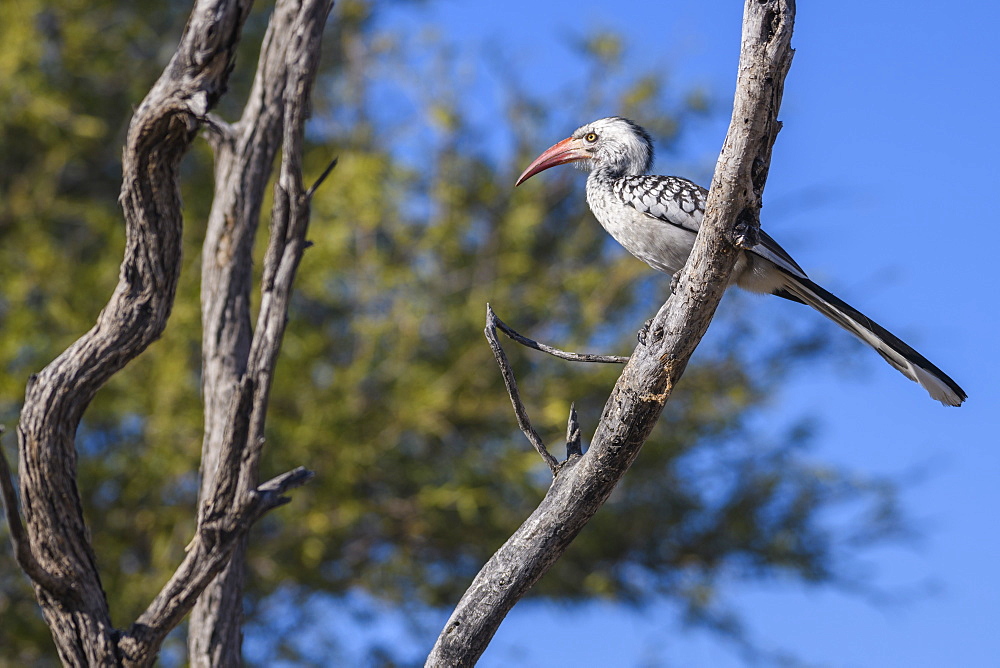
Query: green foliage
{"points": [[385, 386]]}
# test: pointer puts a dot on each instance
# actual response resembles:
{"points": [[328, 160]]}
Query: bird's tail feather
{"points": [[896, 352]]}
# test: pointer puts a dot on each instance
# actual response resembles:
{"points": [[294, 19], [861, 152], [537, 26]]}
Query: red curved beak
{"points": [[568, 150]]}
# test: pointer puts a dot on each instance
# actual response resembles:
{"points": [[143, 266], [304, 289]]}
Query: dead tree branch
{"points": [[206, 556], [235, 391], [555, 352], [583, 484], [159, 135], [53, 545], [510, 383], [493, 323], [19, 537]]}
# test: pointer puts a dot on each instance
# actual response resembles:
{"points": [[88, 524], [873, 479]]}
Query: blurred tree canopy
{"points": [[386, 387]]}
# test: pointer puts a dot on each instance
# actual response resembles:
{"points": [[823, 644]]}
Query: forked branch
{"points": [[510, 383], [53, 544], [159, 135], [239, 361], [207, 555], [573, 447]]}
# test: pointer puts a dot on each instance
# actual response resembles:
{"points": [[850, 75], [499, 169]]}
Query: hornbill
{"points": [[656, 218]]}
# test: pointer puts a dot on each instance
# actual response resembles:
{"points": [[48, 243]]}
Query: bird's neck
{"points": [[601, 194], [606, 174]]}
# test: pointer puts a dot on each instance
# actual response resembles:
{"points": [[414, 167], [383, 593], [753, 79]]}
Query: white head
{"points": [[616, 145]]}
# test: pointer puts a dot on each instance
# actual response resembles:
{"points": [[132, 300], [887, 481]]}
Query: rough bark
{"points": [[52, 545], [244, 155], [583, 483]]}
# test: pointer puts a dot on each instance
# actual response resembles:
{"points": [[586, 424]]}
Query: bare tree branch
{"points": [[515, 397], [583, 484], [322, 177], [19, 537], [159, 135], [53, 546], [238, 364], [244, 158], [555, 352], [207, 555], [573, 446]]}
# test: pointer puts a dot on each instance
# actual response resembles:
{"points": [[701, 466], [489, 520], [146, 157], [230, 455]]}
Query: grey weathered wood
{"points": [[159, 135], [52, 544], [207, 555], [555, 352], [515, 397], [583, 484], [244, 158]]}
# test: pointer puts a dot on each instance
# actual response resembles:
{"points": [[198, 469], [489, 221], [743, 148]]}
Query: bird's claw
{"points": [[746, 234], [646, 332]]}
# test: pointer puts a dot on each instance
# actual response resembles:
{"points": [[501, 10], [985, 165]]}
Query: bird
{"points": [[656, 218]]}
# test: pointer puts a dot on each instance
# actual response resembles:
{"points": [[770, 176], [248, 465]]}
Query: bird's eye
{"points": [[590, 137]]}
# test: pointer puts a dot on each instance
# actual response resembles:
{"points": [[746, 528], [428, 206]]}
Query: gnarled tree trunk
{"points": [[52, 544]]}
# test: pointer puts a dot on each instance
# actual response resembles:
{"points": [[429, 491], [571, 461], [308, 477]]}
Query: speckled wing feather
{"points": [[668, 198], [681, 203]]}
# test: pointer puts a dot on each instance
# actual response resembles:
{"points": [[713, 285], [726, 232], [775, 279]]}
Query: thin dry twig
{"points": [[574, 447], [515, 397], [555, 352], [573, 444], [322, 177]]}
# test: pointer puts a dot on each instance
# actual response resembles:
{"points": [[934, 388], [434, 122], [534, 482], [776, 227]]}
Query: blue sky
{"points": [[890, 112]]}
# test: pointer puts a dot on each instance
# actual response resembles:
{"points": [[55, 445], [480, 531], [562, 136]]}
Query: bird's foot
{"points": [[746, 234], [648, 335], [644, 332], [674, 281]]}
